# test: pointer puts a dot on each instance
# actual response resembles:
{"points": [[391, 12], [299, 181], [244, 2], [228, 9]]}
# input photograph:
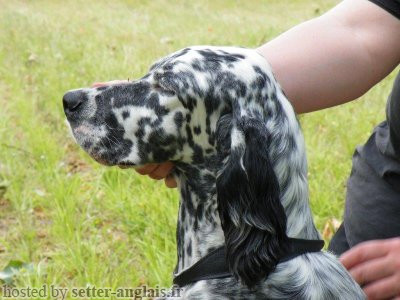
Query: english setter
{"points": [[240, 163]]}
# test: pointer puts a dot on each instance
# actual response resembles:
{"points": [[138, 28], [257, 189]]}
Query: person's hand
{"points": [[159, 171], [98, 84], [155, 171], [375, 265]]}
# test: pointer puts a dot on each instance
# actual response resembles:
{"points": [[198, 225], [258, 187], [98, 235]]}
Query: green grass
{"points": [[80, 223]]}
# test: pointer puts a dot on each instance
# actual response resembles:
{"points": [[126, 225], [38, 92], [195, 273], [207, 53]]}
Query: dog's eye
{"points": [[161, 89], [157, 86]]}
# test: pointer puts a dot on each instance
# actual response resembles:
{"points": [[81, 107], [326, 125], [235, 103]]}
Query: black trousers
{"points": [[372, 208]]}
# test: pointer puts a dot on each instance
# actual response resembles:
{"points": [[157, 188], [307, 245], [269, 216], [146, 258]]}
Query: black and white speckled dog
{"points": [[220, 116]]}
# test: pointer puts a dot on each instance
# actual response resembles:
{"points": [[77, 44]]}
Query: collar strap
{"points": [[213, 265]]}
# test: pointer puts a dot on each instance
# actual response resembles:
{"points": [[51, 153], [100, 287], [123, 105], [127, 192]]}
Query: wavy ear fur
{"points": [[252, 216]]}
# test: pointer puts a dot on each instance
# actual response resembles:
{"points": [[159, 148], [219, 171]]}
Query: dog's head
{"points": [[169, 114], [198, 103]]}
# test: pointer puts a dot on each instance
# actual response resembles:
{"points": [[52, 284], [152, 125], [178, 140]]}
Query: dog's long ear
{"points": [[252, 216]]}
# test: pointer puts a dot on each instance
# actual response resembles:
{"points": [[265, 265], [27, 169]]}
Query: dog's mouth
{"points": [[95, 148], [126, 165], [100, 159], [103, 159], [94, 141]]}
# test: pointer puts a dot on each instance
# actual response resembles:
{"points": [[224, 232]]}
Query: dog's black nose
{"points": [[72, 101]]}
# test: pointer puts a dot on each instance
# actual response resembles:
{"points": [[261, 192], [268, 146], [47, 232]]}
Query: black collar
{"points": [[213, 265]]}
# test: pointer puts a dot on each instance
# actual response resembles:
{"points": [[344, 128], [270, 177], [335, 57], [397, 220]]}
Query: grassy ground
{"points": [[79, 223]]}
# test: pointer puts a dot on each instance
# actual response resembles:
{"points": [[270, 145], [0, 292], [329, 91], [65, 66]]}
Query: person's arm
{"points": [[337, 57], [376, 266]]}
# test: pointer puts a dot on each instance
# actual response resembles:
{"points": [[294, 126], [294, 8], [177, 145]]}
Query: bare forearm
{"points": [[337, 57]]}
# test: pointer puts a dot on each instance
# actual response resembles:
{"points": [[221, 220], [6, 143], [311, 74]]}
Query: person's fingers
{"points": [[98, 84], [146, 169], [383, 289], [170, 181], [161, 171], [372, 270], [363, 252]]}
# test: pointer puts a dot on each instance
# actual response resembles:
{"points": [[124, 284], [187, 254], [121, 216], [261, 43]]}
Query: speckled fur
{"points": [[202, 107]]}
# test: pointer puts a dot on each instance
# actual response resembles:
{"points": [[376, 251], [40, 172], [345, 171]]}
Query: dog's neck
{"points": [[199, 228]]}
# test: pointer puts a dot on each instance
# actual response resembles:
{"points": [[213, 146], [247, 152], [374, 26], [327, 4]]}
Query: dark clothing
{"points": [[373, 190], [392, 6], [372, 208]]}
